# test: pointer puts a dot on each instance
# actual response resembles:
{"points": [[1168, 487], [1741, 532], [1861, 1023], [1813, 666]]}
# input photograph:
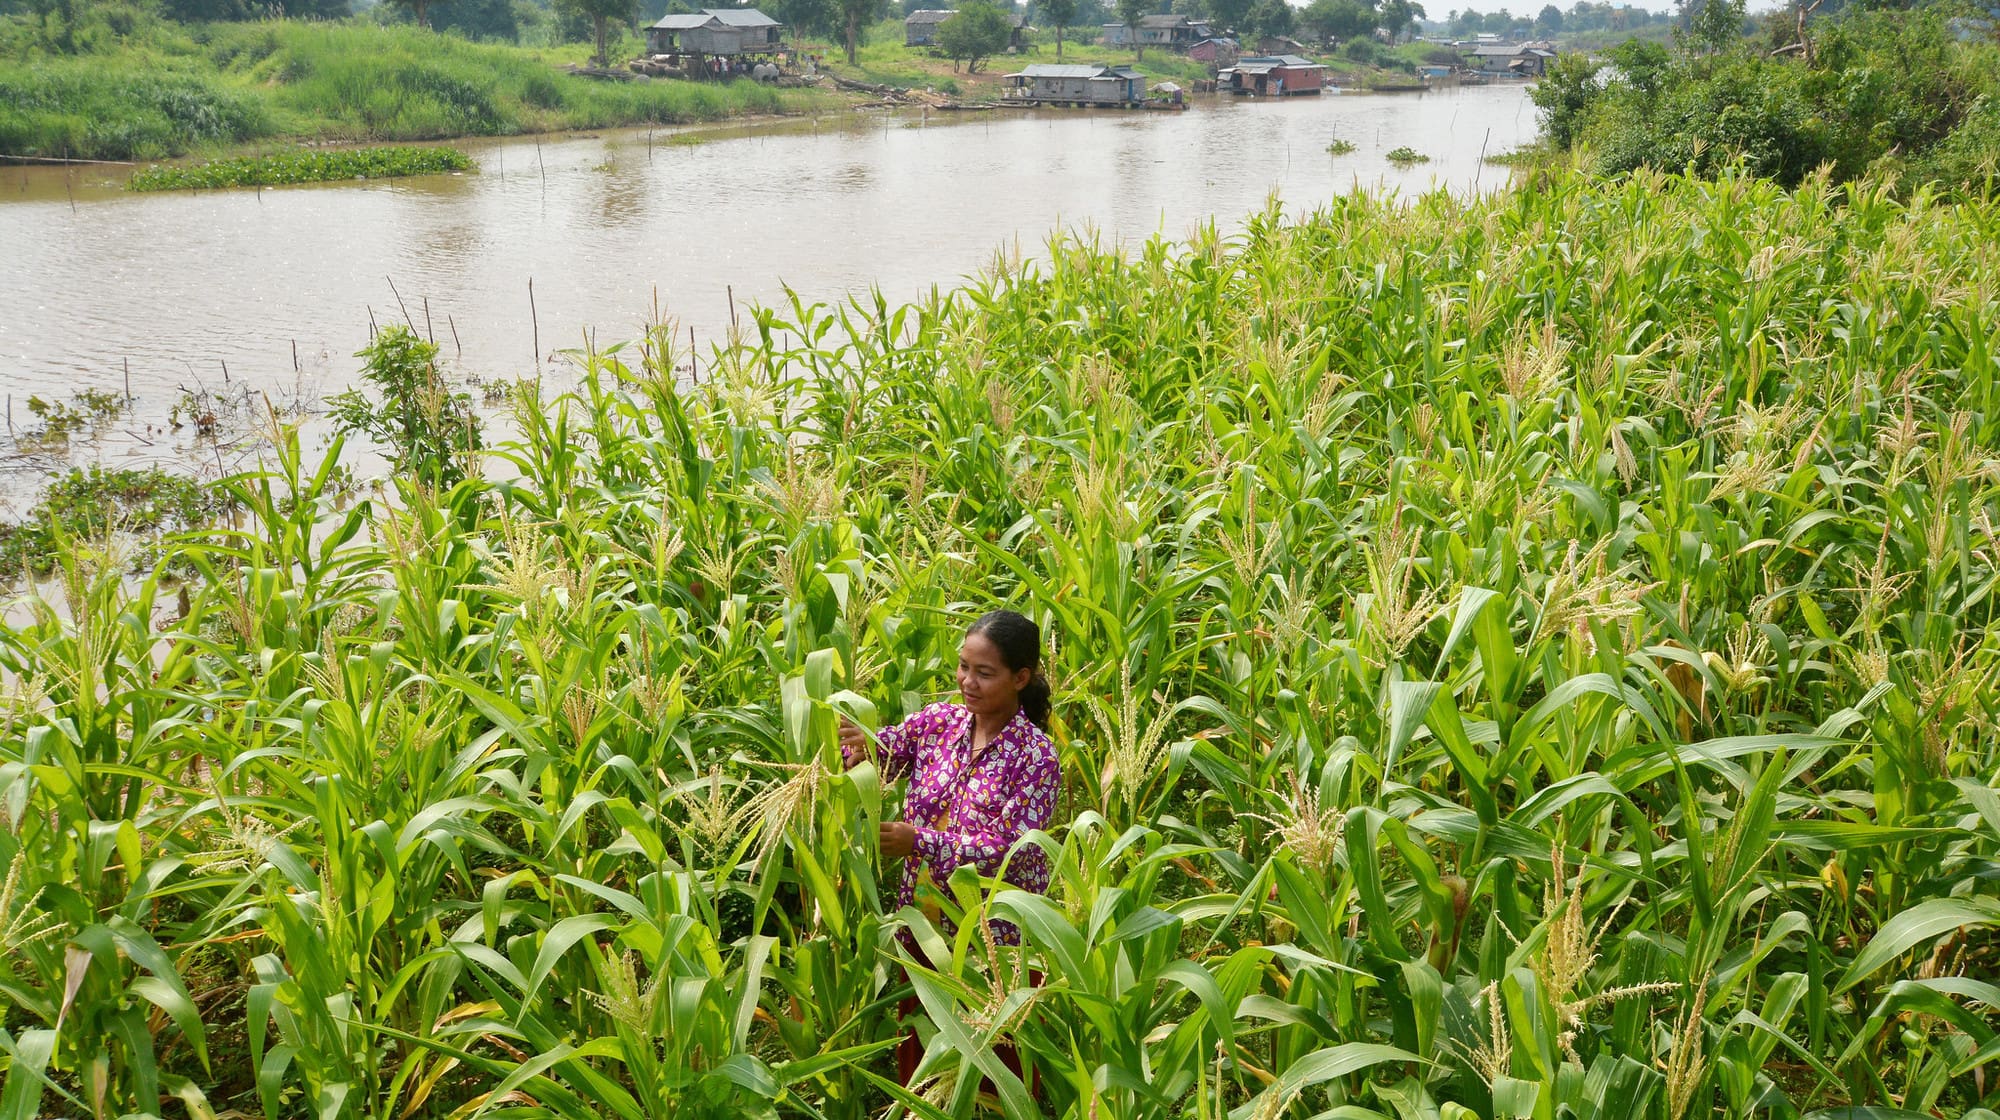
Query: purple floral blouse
{"points": [[971, 811]]}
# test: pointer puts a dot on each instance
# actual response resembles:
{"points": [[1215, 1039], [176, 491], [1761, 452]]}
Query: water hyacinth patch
{"points": [[304, 166], [1513, 658]]}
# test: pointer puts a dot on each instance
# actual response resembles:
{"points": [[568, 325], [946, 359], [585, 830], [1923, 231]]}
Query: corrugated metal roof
{"points": [[741, 17], [727, 17], [1499, 52], [924, 16], [1266, 62], [1164, 21], [1059, 70]]}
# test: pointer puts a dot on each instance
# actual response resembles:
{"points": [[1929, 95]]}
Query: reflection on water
{"points": [[180, 284]]}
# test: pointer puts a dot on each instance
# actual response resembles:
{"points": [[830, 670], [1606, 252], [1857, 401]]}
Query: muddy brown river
{"points": [[174, 287]]}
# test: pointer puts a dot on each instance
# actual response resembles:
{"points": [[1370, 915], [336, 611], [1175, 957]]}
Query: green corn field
{"points": [[1517, 658]]}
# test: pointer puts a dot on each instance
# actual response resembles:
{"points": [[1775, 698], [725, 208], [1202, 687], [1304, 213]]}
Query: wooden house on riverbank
{"points": [[921, 26], [1174, 32], [1285, 75], [1077, 84], [1520, 60], [717, 32], [1217, 51]]}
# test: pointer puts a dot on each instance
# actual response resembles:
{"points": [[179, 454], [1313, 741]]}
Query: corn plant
{"points": [[1513, 658]]}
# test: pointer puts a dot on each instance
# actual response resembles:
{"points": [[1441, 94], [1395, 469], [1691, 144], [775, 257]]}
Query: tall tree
{"points": [[1130, 12], [1550, 21], [1230, 15], [855, 15], [1713, 24], [1327, 20], [1271, 19], [1061, 14], [1399, 15], [420, 10], [601, 13], [805, 17], [979, 31]]}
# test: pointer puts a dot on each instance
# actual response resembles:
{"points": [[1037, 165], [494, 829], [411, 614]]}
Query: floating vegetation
{"points": [[94, 504], [58, 420], [1406, 156], [1340, 147], [302, 166]]}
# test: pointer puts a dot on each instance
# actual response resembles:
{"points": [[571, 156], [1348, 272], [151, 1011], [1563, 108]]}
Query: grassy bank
{"points": [[166, 90], [1513, 658]]}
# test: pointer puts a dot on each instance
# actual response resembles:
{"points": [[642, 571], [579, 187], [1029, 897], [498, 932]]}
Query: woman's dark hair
{"points": [[1019, 641]]}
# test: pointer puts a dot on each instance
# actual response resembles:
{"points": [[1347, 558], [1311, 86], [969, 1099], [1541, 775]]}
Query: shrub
{"points": [[429, 431]]}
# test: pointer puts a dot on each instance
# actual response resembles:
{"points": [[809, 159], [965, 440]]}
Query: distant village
{"points": [[724, 43]]}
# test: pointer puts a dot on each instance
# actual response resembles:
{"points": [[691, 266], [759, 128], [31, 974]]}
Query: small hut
{"points": [[1217, 50], [1285, 75], [721, 32], [1078, 84], [1521, 61], [1174, 32]]}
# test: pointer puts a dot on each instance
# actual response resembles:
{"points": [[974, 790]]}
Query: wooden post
{"points": [[536, 321], [128, 382], [411, 323]]}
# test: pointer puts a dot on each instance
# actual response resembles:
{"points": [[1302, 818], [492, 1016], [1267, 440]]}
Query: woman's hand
{"points": [[853, 742], [897, 839]]}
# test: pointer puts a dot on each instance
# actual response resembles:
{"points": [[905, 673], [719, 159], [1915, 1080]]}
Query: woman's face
{"points": [[985, 683]]}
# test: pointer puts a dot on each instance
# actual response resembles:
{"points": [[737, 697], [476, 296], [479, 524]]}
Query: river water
{"points": [[222, 289]]}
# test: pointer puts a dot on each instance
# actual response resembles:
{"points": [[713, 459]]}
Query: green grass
{"points": [[1515, 657], [165, 91], [302, 167]]}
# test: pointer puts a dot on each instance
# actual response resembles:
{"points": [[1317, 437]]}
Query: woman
{"points": [[982, 774]]}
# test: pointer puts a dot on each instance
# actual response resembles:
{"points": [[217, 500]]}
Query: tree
{"points": [[601, 13], [475, 19], [1550, 21], [1272, 19], [977, 32], [1337, 19], [806, 17], [1564, 97], [854, 15], [1713, 24], [1060, 14], [1398, 15], [419, 10], [1130, 12], [1230, 15]]}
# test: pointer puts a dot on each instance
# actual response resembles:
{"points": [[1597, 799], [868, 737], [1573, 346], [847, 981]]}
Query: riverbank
{"points": [[885, 60], [167, 90]]}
